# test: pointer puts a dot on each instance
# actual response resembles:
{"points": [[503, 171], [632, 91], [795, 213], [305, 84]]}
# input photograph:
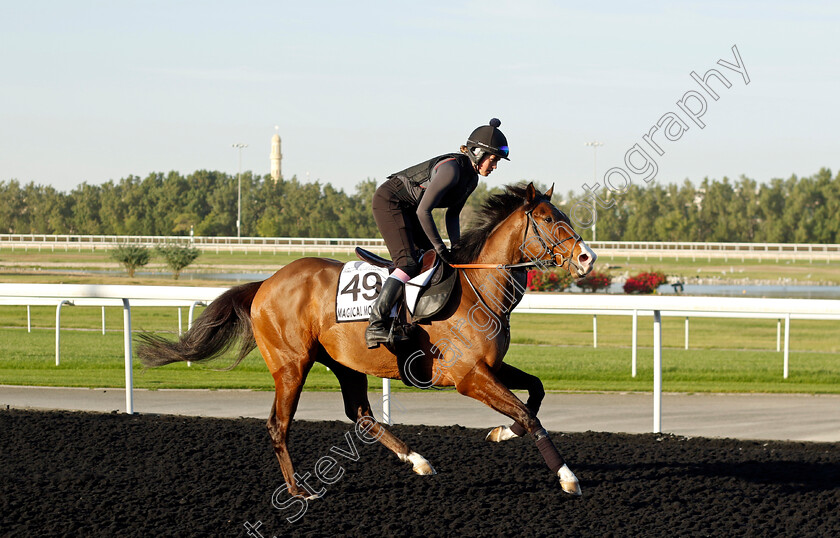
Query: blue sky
{"points": [[94, 91]]}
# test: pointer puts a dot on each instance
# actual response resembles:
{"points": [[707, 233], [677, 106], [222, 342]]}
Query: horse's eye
{"points": [[548, 219]]}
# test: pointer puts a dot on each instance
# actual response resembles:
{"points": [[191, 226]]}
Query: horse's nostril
{"points": [[583, 258]]}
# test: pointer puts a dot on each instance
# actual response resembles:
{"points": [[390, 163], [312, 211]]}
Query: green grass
{"points": [[725, 356], [90, 317], [587, 369], [90, 359], [704, 333]]}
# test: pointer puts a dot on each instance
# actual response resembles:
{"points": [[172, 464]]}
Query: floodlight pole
{"points": [[594, 144], [239, 146]]}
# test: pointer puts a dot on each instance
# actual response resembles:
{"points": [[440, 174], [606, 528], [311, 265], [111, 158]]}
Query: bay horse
{"points": [[291, 317]]}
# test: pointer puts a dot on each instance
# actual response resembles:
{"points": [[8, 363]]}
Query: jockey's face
{"points": [[487, 165]]}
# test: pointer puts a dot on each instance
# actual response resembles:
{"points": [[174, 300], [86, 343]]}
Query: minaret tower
{"points": [[276, 156]]}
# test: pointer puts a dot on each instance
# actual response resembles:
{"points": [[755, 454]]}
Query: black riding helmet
{"points": [[487, 139]]}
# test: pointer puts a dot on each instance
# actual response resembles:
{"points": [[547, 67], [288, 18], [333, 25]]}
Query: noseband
{"points": [[549, 246]]}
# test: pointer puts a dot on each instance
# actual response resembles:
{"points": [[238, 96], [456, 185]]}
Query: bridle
{"points": [[547, 245], [550, 246]]}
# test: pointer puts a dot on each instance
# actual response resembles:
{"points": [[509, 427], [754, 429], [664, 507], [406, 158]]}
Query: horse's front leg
{"points": [[481, 384], [515, 379]]}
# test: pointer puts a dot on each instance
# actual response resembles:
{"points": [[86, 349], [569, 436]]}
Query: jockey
{"points": [[402, 208]]}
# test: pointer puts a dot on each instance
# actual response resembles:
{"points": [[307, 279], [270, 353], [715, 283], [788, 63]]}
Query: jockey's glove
{"points": [[445, 255]]}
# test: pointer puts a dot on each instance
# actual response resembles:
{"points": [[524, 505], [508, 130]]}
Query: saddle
{"points": [[432, 297], [427, 260]]}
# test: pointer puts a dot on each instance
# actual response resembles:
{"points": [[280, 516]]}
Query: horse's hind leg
{"points": [[515, 379], [288, 383], [357, 408]]}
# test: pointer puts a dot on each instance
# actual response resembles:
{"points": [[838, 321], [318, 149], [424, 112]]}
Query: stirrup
{"points": [[396, 334], [400, 332], [373, 340]]}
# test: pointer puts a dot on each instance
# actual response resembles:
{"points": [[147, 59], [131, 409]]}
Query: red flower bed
{"points": [[556, 280], [594, 281], [644, 282]]}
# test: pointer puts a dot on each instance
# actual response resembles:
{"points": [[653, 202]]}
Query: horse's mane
{"points": [[495, 209]]}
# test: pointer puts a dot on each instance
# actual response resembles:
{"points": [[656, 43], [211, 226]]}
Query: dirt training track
{"points": [[88, 474]]}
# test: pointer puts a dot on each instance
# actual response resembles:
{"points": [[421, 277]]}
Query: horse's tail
{"points": [[224, 321]]}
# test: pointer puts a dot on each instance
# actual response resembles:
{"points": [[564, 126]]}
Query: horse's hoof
{"points": [[420, 465], [500, 433], [424, 469], [568, 481], [301, 492]]}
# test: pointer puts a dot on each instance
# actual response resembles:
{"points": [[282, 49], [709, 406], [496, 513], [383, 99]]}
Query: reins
{"points": [[493, 265]]}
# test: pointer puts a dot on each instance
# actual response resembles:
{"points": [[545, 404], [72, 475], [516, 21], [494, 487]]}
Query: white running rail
{"points": [[634, 305], [107, 295]]}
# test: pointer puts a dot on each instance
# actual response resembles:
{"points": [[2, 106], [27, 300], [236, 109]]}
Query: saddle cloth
{"points": [[359, 284]]}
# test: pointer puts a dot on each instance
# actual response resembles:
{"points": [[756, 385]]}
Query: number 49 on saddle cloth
{"points": [[359, 284]]}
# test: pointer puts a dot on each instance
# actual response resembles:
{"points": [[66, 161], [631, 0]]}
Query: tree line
{"points": [[802, 210], [204, 202], [793, 210]]}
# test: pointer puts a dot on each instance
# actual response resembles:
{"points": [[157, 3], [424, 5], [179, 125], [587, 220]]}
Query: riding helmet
{"points": [[487, 139]]}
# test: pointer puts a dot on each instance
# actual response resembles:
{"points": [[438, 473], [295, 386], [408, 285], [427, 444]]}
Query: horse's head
{"points": [[550, 238]]}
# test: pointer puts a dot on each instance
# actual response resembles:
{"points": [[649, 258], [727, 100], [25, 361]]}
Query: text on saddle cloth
{"points": [[359, 284]]}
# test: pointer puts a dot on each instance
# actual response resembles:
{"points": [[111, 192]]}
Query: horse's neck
{"points": [[497, 287], [503, 244]]}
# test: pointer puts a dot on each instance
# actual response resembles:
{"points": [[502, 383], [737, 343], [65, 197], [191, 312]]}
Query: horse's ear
{"points": [[549, 191], [530, 193]]}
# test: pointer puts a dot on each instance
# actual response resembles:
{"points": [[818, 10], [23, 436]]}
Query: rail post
{"points": [[778, 335], [129, 392], [787, 343], [189, 319], [386, 401], [58, 329], [635, 326], [657, 371], [192, 311]]}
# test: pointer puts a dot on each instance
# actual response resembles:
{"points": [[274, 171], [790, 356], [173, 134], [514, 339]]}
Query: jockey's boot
{"points": [[378, 332]]}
